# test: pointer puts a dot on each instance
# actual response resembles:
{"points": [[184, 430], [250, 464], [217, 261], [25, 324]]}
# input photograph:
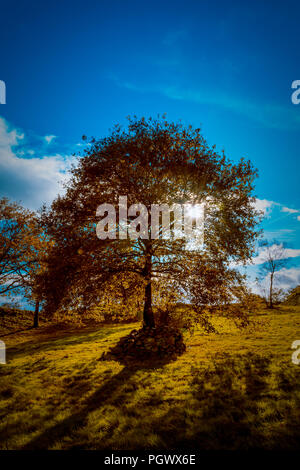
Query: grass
{"points": [[233, 390], [12, 319]]}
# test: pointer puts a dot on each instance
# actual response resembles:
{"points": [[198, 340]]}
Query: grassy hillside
{"points": [[233, 390], [12, 319]]}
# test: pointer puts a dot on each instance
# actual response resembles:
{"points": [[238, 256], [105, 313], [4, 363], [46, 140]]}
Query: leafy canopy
{"points": [[151, 161]]}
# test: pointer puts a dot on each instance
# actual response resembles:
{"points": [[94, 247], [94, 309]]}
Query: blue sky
{"points": [[74, 68]]}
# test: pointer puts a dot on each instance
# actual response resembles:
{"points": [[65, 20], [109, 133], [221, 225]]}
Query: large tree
{"points": [[150, 162]]}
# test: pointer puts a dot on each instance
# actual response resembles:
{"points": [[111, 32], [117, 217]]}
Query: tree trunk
{"points": [[271, 292], [36, 315], [148, 316]]}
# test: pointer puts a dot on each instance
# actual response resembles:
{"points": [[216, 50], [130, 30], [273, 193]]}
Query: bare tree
{"points": [[273, 259]]}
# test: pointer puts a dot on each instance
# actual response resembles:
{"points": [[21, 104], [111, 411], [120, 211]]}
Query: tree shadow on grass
{"points": [[61, 341], [228, 395], [235, 409], [16, 331], [111, 392], [238, 402], [135, 350]]}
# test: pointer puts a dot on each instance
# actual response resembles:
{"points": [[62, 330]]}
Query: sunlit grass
{"points": [[232, 390]]}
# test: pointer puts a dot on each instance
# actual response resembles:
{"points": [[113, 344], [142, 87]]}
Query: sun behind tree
{"points": [[151, 162]]}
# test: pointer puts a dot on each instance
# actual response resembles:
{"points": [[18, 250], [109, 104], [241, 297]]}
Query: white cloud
{"points": [[267, 206], [286, 253], [288, 278], [49, 138], [285, 278], [290, 211], [264, 205], [32, 181]]}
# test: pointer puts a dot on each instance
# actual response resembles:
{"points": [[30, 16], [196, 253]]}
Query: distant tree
{"points": [[274, 258], [34, 269], [14, 224], [22, 246], [151, 162]]}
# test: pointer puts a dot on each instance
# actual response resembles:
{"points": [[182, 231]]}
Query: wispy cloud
{"points": [[267, 114], [49, 138], [266, 206], [290, 211], [286, 235], [286, 253]]}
